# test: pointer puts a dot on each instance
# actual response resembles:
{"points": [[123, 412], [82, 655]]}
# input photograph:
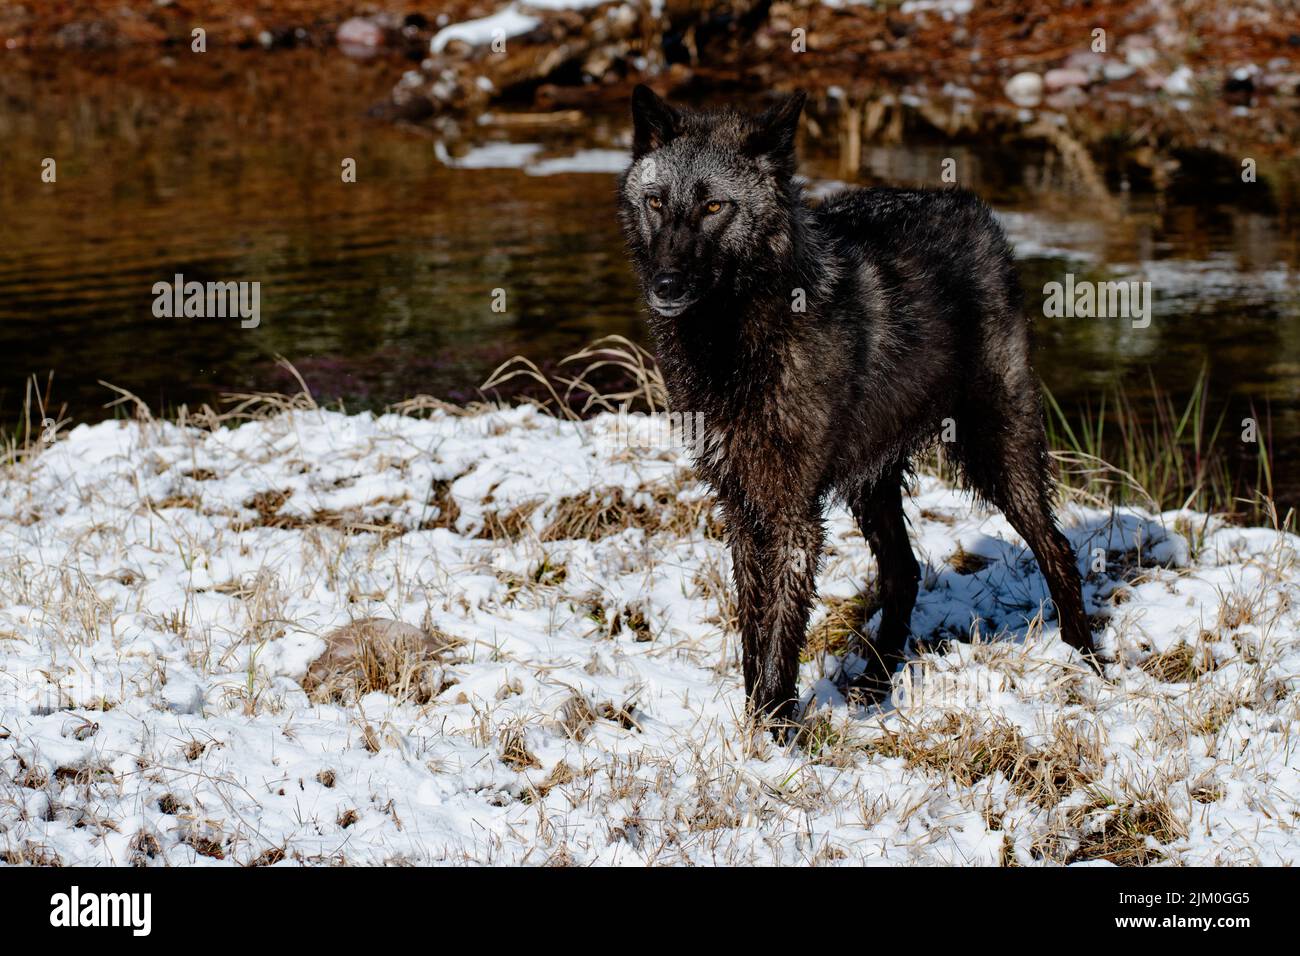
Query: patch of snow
{"points": [[524, 157], [948, 9], [163, 591], [583, 161], [506, 23], [490, 156], [512, 21]]}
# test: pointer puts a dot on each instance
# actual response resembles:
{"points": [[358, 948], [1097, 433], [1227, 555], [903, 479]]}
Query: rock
{"points": [[465, 69], [1070, 77], [1094, 64], [1179, 82], [376, 654], [1139, 52], [1025, 89], [1288, 84], [87, 35], [1241, 81], [360, 37], [1066, 99]]}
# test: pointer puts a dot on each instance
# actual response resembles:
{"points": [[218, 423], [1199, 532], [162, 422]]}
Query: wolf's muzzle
{"points": [[668, 293]]}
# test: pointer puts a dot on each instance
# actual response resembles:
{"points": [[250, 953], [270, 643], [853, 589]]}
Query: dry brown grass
{"points": [[1125, 831], [1180, 664], [597, 515], [592, 516], [511, 524], [966, 749], [512, 745], [963, 562], [268, 505], [31, 854], [144, 846], [576, 716], [561, 775], [576, 395], [448, 511], [206, 845], [844, 626]]}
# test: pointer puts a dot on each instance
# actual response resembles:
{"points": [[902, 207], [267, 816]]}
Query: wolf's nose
{"points": [[669, 286]]}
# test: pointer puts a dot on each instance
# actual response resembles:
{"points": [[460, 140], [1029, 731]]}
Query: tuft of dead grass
{"points": [[639, 383], [269, 505], [1123, 833], [967, 749], [512, 746], [1181, 664], [144, 847], [444, 503], [576, 716], [598, 515], [205, 845], [843, 627], [31, 854], [964, 562]]}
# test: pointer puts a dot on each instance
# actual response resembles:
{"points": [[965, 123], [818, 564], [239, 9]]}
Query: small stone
{"points": [[1179, 82], [360, 32], [1055, 80], [1025, 89], [1066, 99], [1139, 52], [1091, 63]]}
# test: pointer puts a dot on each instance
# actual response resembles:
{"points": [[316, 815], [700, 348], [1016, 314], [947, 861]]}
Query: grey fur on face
{"points": [[825, 347], [703, 189]]}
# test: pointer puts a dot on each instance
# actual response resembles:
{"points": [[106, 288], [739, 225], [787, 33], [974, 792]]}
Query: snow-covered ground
{"points": [[163, 591]]}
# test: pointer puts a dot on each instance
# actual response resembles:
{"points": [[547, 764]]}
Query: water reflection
{"points": [[383, 288]]}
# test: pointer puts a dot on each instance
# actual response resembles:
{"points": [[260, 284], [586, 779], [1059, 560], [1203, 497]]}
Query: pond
{"points": [[229, 170]]}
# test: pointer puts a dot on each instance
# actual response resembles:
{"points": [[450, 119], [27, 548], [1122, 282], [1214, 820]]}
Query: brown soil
{"points": [[101, 24], [869, 52]]}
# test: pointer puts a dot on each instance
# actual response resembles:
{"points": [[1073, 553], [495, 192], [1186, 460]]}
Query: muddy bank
{"points": [[1137, 75]]}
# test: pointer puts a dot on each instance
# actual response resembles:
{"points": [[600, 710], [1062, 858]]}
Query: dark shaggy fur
{"points": [[825, 346]]}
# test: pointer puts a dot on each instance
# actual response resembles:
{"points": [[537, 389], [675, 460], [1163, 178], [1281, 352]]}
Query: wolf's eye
{"points": [[654, 202], [713, 207]]}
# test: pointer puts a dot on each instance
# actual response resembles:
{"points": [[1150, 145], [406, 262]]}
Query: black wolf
{"points": [[825, 346]]}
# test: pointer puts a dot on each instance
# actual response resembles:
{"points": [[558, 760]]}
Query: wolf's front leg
{"points": [[749, 574], [792, 555]]}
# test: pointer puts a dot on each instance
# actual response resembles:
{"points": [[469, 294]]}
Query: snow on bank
{"points": [[165, 589], [511, 21]]}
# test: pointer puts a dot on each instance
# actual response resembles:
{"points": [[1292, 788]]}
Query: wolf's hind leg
{"points": [[1010, 467], [879, 513], [1026, 503]]}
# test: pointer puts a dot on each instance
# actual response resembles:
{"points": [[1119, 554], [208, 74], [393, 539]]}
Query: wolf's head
{"points": [[709, 201]]}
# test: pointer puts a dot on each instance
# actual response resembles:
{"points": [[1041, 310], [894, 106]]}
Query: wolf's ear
{"points": [[774, 132], [654, 122]]}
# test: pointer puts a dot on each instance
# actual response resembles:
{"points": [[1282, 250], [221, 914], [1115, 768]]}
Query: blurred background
{"points": [[1152, 140]]}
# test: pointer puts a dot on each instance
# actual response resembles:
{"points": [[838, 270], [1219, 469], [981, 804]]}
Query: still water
{"points": [[383, 288]]}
